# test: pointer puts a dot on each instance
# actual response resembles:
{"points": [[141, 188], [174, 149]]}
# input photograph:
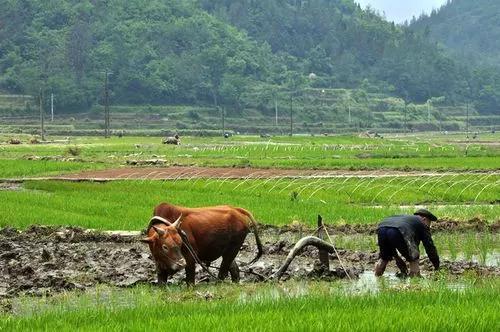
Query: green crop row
{"points": [[339, 152], [127, 205], [290, 306], [10, 169]]}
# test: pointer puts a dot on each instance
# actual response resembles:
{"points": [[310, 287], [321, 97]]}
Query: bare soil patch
{"points": [[446, 225], [10, 186], [192, 172], [44, 260]]}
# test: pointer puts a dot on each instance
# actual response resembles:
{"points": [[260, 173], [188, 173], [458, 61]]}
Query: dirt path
{"points": [[44, 260], [178, 172]]}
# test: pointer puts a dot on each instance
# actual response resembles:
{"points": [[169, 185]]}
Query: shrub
{"points": [[73, 151]]}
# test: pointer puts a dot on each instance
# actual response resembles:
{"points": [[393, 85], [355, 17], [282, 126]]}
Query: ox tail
{"points": [[253, 227]]}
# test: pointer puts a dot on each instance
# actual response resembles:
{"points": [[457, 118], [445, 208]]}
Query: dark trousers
{"points": [[390, 239]]}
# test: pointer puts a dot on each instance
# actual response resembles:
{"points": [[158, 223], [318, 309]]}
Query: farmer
{"points": [[404, 233]]}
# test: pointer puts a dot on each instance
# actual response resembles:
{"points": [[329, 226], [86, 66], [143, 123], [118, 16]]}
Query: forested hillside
{"points": [[470, 28], [160, 51], [345, 45], [222, 53]]}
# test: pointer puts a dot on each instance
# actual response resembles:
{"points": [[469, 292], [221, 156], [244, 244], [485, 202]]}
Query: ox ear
{"points": [[178, 222], [160, 231], [147, 240]]}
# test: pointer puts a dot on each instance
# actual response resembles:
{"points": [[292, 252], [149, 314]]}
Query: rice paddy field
{"points": [[286, 182], [424, 152]]}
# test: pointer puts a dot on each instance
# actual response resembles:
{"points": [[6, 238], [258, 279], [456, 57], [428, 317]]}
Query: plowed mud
{"points": [[46, 260]]}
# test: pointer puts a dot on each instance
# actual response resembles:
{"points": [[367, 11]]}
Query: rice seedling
{"points": [[452, 249], [292, 305], [10, 169], [126, 204], [340, 152]]}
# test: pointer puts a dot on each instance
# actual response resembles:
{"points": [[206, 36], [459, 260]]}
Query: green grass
{"points": [[291, 306], [127, 205], [10, 169], [338, 152]]}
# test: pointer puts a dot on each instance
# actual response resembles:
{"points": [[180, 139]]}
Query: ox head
{"points": [[165, 244]]}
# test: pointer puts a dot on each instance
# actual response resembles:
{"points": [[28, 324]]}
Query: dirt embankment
{"points": [[44, 260], [443, 225], [195, 172]]}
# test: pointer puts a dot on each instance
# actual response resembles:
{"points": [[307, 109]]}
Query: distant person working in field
{"points": [[404, 233]]}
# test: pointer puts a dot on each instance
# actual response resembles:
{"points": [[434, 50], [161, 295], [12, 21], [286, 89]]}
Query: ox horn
{"points": [[178, 222], [161, 219], [160, 231], [147, 240]]}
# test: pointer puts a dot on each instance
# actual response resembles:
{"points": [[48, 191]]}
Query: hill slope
{"points": [[470, 28], [221, 53], [344, 45]]}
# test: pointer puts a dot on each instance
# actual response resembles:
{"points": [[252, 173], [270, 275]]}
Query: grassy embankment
{"points": [[410, 305]]}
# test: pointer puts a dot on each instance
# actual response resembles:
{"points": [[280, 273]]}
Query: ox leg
{"points": [[234, 271], [162, 276], [227, 260], [190, 272]]}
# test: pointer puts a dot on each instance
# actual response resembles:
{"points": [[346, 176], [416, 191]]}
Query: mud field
{"points": [[46, 260]]}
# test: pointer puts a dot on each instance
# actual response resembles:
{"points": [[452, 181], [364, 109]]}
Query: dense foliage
{"points": [[344, 45], [163, 51], [470, 28], [204, 52]]}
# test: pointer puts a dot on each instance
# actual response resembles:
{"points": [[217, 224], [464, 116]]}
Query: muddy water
{"points": [[45, 260]]}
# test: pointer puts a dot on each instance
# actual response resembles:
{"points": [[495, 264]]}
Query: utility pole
{"points": [[349, 110], [276, 109], [406, 120], [291, 114], [429, 111], [223, 121], [42, 125], [52, 107], [106, 106], [467, 117], [347, 97]]}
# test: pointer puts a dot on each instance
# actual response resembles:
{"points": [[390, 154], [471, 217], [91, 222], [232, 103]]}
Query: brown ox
{"points": [[211, 232]]}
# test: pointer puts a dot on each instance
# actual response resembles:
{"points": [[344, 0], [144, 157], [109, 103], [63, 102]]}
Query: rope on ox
{"points": [[185, 242], [206, 268]]}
